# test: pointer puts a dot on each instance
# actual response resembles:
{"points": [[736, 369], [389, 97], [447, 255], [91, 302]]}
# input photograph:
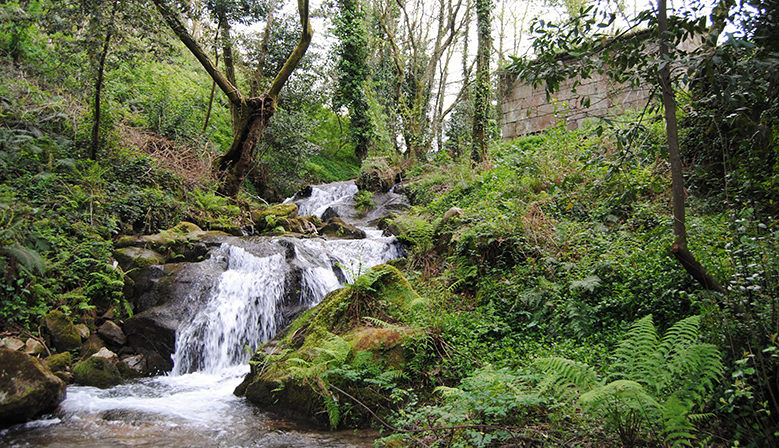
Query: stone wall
{"points": [[527, 111]]}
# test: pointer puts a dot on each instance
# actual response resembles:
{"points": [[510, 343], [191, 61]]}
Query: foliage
{"points": [[653, 382]]}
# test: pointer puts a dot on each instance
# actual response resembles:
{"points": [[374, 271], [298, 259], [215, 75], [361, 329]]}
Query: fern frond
{"points": [[380, 323], [391, 375], [682, 333], [637, 357], [677, 430], [28, 259], [333, 412], [447, 392], [625, 395], [563, 372]]}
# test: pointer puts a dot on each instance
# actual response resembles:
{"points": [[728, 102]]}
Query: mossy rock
{"points": [[268, 218], [339, 229], [376, 175], [96, 372], [133, 259], [27, 387], [59, 362], [64, 334], [336, 325]]}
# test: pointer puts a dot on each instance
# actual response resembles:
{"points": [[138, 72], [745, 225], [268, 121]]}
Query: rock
{"points": [[12, 344], [107, 354], [337, 228], [59, 362], [268, 218], [92, 345], [96, 372], [334, 326], [33, 347], [134, 260], [297, 225], [27, 387], [136, 363], [376, 175], [454, 212], [111, 333], [63, 333], [329, 214], [83, 331]]}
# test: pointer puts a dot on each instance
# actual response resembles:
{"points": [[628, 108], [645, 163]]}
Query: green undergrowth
{"points": [[562, 243]]}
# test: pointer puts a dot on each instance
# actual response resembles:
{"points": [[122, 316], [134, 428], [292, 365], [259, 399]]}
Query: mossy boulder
{"points": [[96, 372], [361, 328], [64, 335], [59, 362], [270, 217], [134, 260], [339, 229], [377, 175], [27, 387]]}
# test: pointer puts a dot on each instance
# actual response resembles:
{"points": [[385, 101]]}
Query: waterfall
{"points": [[269, 281]]}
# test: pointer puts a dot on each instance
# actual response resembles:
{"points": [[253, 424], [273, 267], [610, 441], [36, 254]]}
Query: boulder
{"points": [[111, 333], [339, 229], [27, 387], [63, 333], [135, 260], [96, 372], [376, 175], [33, 347], [136, 363], [268, 218], [59, 362], [12, 343], [454, 212], [297, 225], [334, 334]]}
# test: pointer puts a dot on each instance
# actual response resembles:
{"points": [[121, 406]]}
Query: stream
{"points": [[194, 405]]}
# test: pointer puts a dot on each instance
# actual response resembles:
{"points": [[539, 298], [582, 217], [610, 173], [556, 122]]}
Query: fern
{"points": [[655, 380]]}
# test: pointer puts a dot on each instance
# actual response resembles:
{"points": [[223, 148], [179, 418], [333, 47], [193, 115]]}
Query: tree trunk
{"points": [[99, 84], [679, 248], [481, 98]]}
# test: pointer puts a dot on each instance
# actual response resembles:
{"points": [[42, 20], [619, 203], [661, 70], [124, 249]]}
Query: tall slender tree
{"points": [[481, 88]]}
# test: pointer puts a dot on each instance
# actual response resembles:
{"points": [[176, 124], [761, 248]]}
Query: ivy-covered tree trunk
{"points": [[481, 97], [679, 248], [250, 114], [353, 72]]}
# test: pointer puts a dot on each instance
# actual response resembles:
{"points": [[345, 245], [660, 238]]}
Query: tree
{"points": [[353, 73], [109, 32], [251, 113], [624, 58], [481, 98]]}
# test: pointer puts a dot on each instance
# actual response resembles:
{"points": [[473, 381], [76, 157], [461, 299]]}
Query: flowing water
{"points": [[194, 406]]}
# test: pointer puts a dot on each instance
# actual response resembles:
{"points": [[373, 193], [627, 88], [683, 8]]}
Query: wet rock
{"points": [[12, 344], [329, 214], [136, 363], [112, 333], [59, 362], [63, 333], [339, 229], [96, 372], [297, 225], [27, 387], [34, 348]]}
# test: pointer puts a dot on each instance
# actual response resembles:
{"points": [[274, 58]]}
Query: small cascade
{"points": [[336, 194], [268, 282]]}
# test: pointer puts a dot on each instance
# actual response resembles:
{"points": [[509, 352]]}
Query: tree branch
{"points": [[171, 18], [297, 54]]}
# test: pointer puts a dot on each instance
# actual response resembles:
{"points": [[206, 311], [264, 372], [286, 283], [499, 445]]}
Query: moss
{"points": [[63, 333], [298, 385], [59, 362], [97, 372]]}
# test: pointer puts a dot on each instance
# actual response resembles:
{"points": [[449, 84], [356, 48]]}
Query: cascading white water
{"points": [[244, 311]]}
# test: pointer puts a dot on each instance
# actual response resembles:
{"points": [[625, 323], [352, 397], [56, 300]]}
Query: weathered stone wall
{"points": [[527, 111]]}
